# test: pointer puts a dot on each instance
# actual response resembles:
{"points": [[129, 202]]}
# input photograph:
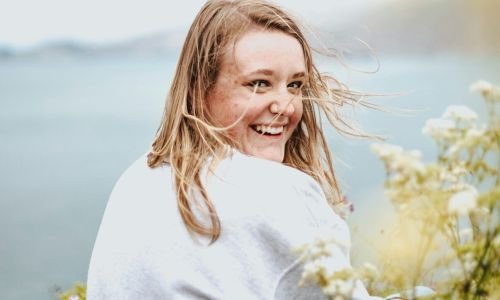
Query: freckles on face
{"points": [[257, 93]]}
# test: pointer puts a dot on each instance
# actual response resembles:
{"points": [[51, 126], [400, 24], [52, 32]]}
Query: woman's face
{"points": [[260, 77]]}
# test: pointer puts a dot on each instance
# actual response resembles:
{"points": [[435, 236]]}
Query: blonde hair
{"points": [[186, 139]]}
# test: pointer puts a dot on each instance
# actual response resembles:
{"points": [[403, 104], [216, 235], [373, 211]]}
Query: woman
{"points": [[238, 175]]}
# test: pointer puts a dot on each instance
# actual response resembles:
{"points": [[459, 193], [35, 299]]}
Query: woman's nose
{"points": [[282, 105]]}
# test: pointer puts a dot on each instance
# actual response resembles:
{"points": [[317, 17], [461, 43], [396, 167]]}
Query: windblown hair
{"points": [[187, 139]]}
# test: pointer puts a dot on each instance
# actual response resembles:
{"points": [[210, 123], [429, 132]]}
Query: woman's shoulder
{"points": [[266, 175], [284, 183], [140, 189], [273, 183], [269, 172], [140, 175]]}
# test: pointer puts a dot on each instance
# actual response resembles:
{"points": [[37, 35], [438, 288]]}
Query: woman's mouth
{"points": [[268, 130]]}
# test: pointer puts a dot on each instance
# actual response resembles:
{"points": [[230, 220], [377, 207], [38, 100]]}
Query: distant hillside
{"points": [[400, 27], [161, 43], [427, 26]]}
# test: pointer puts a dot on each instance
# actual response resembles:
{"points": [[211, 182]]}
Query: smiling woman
{"points": [[238, 175]]}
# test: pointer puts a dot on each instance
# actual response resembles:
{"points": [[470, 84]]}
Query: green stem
{"points": [[481, 262], [420, 261]]}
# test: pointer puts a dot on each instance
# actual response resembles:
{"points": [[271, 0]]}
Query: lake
{"points": [[69, 128]]}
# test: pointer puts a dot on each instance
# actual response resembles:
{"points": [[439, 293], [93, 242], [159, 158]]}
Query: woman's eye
{"points": [[259, 83], [295, 85]]}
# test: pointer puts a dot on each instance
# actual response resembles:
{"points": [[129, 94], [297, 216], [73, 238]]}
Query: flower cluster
{"points": [[489, 91], [320, 268], [453, 203], [77, 292], [447, 235]]}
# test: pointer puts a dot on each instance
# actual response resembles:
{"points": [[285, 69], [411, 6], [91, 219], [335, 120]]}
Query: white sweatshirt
{"points": [[144, 251]]}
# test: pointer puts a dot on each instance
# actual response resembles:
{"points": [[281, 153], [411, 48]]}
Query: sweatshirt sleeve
{"points": [[119, 267]]}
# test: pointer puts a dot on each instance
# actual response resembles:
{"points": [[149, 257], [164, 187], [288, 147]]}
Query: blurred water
{"points": [[68, 128]]}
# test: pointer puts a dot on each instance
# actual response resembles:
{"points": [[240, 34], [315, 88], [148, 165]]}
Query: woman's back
{"points": [[144, 251]]}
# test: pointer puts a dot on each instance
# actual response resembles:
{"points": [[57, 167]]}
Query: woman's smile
{"points": [[268, 130]]}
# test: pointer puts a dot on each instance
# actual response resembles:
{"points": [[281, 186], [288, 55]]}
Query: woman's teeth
{"points": [[262, 129]]}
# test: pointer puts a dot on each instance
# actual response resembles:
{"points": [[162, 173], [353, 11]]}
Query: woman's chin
{"points": [[276, 155]]}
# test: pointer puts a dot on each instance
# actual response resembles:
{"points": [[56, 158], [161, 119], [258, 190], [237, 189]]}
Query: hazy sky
{"points": [[24, 23]]}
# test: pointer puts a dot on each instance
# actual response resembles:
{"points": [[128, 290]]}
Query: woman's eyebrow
{"points": [[271, 73], [261, 71], [299, 74]]}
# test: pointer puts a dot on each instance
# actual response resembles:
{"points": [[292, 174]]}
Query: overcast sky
{"points": [[24, 23]]}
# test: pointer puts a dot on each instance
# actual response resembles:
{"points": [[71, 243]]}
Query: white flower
{"points": [[474, 136], [386, 150], [74, 297], [318, 257], [317, 268], [483, 211], [463, 202], [453, 150], [338, 287], [487, 90], [459, 112], [312, 268], [408, 162], [458, 171], [320, 249], [481, 86], [398, 160], [438, 127]]}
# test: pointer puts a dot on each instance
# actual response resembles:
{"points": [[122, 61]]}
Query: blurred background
{"points": [[83, 84]]}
